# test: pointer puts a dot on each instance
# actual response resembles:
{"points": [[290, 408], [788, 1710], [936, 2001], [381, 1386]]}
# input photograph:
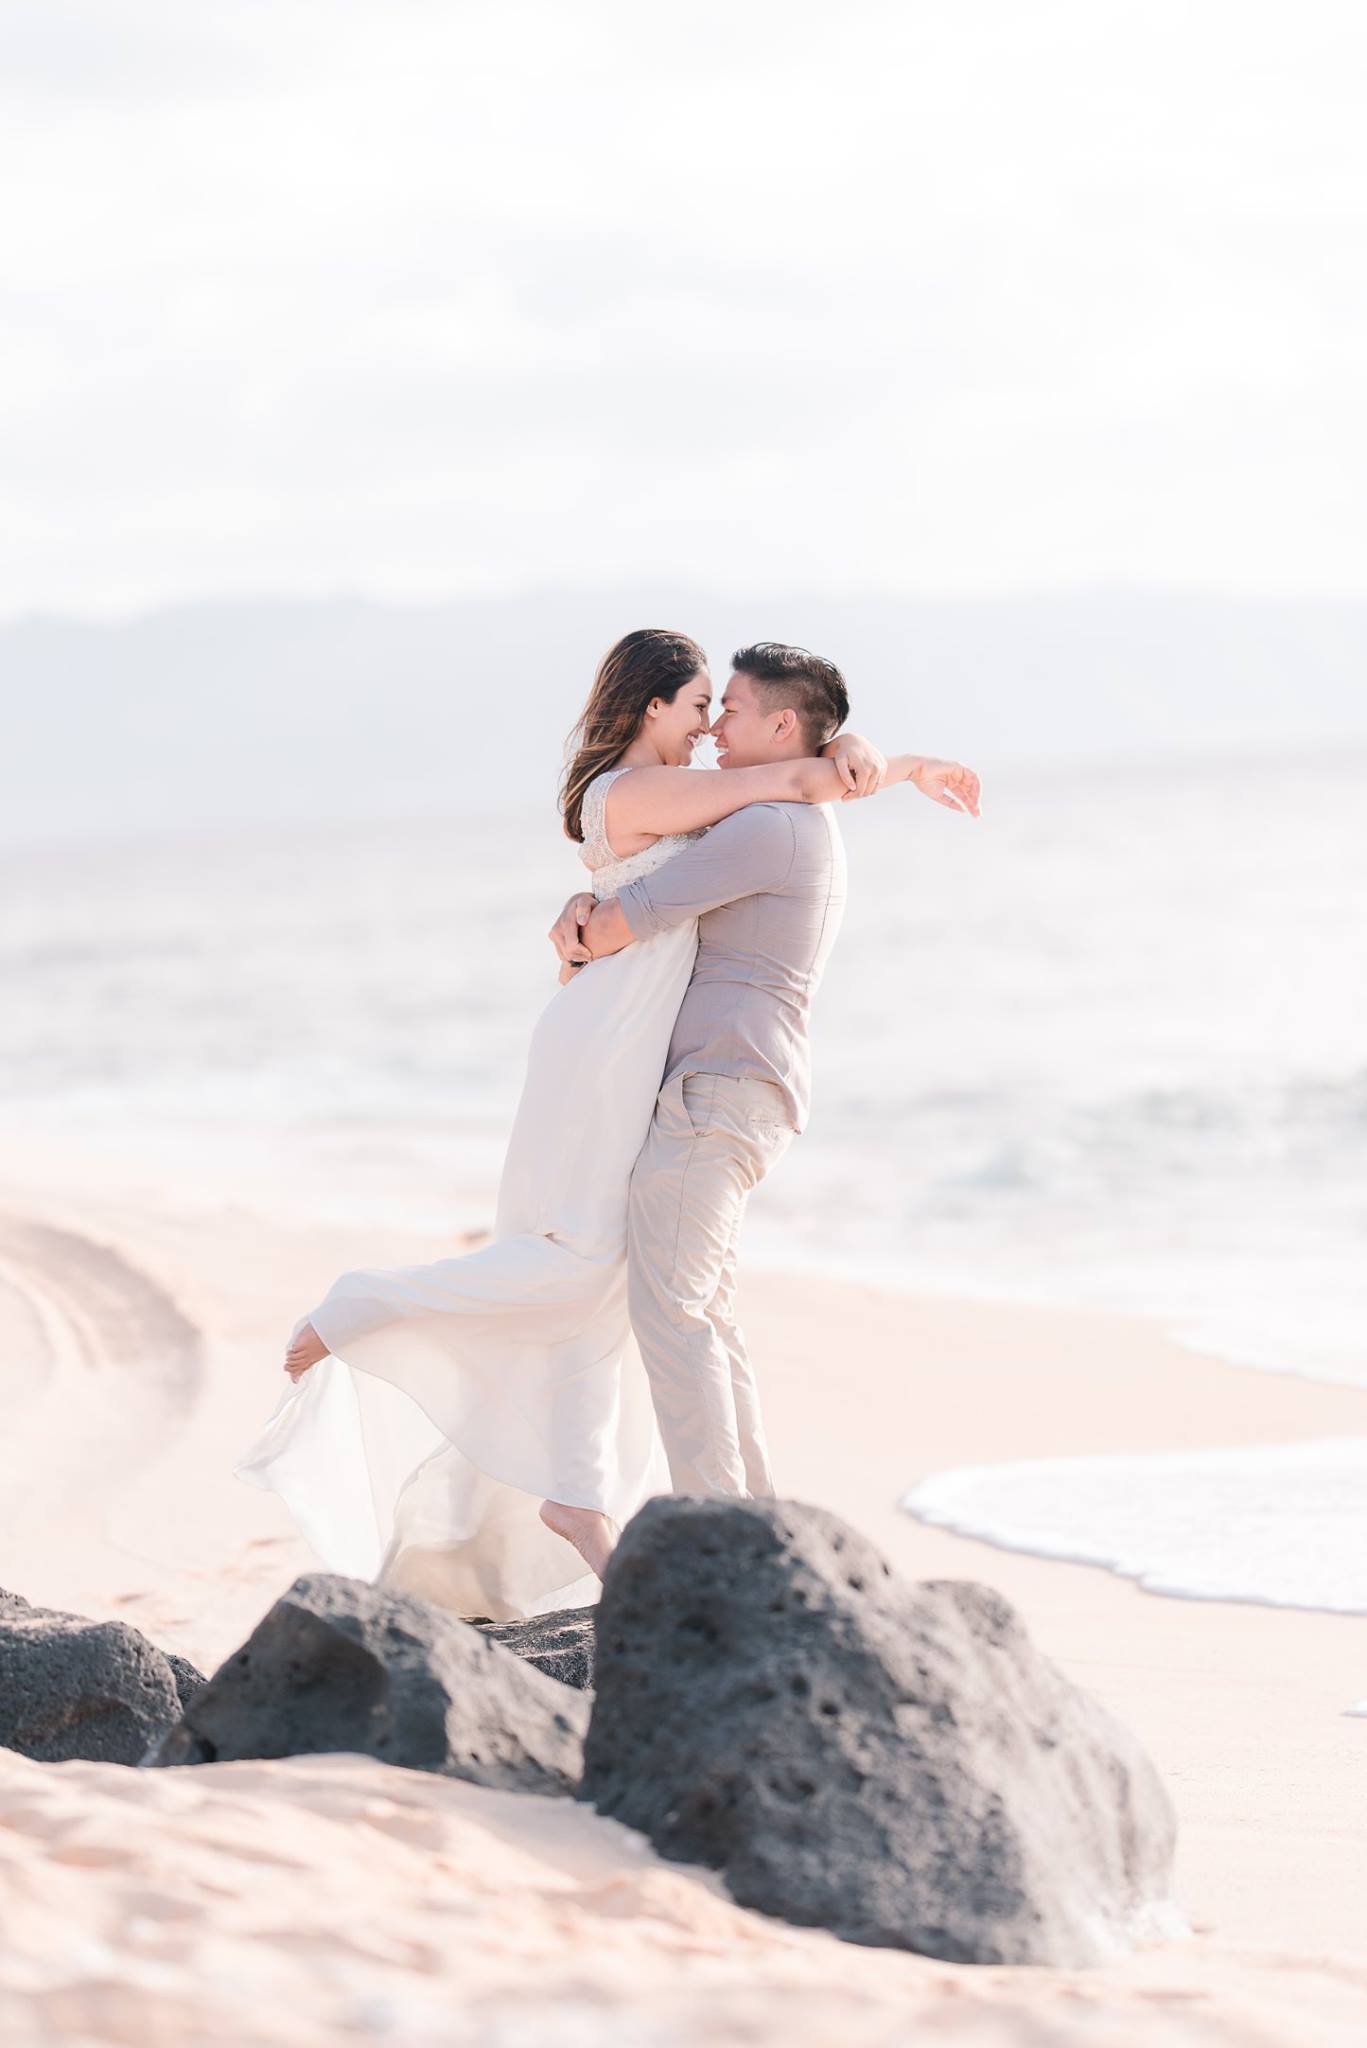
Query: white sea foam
{"points": [[1280, 1525]]}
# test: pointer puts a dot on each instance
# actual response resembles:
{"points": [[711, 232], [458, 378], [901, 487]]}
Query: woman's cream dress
{"points": [[459, 1396]]}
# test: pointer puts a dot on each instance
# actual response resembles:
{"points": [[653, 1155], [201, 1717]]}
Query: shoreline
{"points": [[437, 1184], [457, 1208], [135, 1514]]}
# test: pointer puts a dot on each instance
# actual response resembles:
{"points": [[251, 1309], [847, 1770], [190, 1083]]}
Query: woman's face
{"points": [[676, 728]]}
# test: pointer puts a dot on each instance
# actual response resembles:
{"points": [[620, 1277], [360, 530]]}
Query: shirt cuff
{"points": [[639, 911]]}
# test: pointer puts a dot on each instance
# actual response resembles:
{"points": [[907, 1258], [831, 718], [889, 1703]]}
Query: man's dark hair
{"points": [[807, 683]]}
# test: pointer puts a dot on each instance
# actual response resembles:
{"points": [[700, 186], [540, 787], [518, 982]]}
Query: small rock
{"points": [[188, 1680], [894, 1761], [561, 1644], [341, 1664], [70, 1687]]}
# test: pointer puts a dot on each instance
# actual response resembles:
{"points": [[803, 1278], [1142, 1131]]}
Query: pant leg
{"points": [[721, 1313], [711, 1140]]}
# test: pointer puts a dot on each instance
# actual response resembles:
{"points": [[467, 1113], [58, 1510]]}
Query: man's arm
{"points": [[570, 933], [746, 854], [750, 851], [607, 930]]}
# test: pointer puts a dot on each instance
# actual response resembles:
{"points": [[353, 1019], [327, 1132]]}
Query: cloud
{"points": [[421, 298]]}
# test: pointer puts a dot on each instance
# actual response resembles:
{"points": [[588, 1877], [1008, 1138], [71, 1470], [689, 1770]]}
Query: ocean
{"points": [[1106, 1046]]}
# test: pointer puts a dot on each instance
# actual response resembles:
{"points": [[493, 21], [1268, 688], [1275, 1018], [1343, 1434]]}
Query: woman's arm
{"points": [[646, 803], [944, 782], [862, 765]]}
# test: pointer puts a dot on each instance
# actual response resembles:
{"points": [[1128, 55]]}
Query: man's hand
{"points": [[950, 783], [862, 768], [567, 933]]}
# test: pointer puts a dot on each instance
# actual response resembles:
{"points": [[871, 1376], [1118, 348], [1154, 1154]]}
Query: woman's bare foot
{"points": [[593, 1535], [306, 1350]]}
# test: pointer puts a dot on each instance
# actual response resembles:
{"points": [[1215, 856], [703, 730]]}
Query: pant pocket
{"points": [[767, 1109], [699, 1095]]}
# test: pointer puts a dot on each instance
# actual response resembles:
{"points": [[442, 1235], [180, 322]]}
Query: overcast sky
{"points": [[424, 297]]}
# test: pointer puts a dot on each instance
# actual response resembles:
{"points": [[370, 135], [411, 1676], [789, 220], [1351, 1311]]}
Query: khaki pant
{"points": [[711, 1140]]}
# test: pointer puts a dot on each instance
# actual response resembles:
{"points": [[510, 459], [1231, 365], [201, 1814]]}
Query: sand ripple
{"points": [[95, 1357]]}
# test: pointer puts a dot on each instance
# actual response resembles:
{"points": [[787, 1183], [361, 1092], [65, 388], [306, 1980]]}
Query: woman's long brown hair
{"points": [[641, 667]]}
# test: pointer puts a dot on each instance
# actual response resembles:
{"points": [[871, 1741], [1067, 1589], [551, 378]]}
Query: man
{"points": [[767, 886]]}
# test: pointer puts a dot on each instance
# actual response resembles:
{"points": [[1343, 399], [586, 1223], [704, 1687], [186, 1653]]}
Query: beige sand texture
{"points": [[331, 1898]]}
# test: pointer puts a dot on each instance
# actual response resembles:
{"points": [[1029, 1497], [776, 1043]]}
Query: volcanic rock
{"points": [[892, 1760], [70, 1687], [341, 1664]]}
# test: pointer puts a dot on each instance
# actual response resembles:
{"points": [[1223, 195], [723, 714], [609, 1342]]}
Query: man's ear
{"points": [[785, 725]]}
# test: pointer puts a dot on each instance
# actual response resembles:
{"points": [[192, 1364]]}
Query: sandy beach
{"points": [[431, 434], [332, 1897]]}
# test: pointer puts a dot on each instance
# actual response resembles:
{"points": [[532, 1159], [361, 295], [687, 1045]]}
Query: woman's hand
{"points": [[862, 768], [949, 783]]}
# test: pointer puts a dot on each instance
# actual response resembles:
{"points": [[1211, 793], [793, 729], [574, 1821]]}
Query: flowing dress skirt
{"points": [[459, 1395]]}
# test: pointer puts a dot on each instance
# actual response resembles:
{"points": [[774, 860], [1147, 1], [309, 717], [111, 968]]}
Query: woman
{"points": [[466, 1429]]}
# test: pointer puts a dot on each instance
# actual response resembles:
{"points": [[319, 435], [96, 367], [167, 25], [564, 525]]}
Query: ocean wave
{"points": [[1281, 1525]]}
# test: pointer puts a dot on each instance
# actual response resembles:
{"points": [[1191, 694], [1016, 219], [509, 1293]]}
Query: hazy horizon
{"points": [[313, 711], [366, 371], [266, 597]]}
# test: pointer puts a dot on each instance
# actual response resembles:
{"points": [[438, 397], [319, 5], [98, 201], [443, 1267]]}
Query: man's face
{"points": [[747, 732]]}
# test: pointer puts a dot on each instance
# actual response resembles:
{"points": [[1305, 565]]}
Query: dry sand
{"points": [[332, 1898]]}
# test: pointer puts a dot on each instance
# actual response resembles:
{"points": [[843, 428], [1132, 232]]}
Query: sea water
{"points": [[1106, 1046]]}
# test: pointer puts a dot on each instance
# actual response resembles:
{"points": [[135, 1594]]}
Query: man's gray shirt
{"points": [[767, 886]]}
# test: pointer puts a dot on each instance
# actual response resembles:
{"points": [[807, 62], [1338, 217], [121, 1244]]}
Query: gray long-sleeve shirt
{"points": [[767, 886]]}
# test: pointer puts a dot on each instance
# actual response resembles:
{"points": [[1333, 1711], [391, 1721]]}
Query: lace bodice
{"points": [[609, 873]]}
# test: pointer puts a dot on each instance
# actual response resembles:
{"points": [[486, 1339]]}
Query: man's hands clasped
{"points": [[567, 934]]}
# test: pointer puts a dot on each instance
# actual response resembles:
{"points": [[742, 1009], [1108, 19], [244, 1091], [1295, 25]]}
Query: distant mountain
{"points": [[213, 714]]}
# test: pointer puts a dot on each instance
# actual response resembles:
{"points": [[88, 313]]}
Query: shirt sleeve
{"points": [[747, 854]]}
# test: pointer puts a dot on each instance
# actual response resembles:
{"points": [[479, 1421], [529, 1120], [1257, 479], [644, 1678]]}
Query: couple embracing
{"points": [[477, 1430]]}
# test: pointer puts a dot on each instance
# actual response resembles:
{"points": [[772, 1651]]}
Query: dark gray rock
{"points": [[891, 1760], [340, 1664], [561, 1644], [71, 1688], [188, 1679]]}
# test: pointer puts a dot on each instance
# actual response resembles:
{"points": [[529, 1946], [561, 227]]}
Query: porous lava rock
{"points": [[74, 1688], [342, 1664], [559, 1644], [892, 1760]]}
